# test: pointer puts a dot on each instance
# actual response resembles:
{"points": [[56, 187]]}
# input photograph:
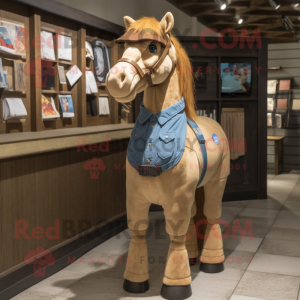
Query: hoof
{"points": [[211, 268], [192, 261], [176, 292], [135, 287]]}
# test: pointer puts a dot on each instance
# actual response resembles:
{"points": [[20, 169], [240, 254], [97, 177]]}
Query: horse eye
{"points": [[152, 48]]}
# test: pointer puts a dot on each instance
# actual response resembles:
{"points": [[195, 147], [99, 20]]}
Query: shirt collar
{"points": [[163, 116]]}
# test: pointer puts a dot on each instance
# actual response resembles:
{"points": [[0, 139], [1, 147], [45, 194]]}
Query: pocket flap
{"points": [[167, 136], [137, 133], [164, 155]]}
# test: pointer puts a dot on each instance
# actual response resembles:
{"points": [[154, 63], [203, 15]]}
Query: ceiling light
{"points": [[274, 4], [221, 4], [240, 21], [295, 5]]}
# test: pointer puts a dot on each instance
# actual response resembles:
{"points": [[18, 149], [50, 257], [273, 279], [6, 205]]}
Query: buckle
{"points": [[149, 171]]}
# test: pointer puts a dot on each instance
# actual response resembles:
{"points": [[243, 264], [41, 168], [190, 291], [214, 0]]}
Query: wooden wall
{"points": [[288, 57], [42, 188]]}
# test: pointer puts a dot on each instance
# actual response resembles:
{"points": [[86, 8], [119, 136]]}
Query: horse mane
{"points": [[183, 65]]}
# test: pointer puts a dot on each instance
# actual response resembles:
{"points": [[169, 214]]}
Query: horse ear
{"points": [[167, 23], [128, 21]]}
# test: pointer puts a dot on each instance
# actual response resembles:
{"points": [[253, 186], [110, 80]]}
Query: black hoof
{"points": [[135, 287], [192, 261], [211, 268], [176, 292]]}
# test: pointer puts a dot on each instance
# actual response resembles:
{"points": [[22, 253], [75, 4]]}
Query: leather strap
{"points": [[153, 69], [201, 141], [132, 62]]}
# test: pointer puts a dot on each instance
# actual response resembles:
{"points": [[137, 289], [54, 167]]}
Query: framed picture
{"points": [[6, 43], [61, 74], [20, 76], [66, 105]]}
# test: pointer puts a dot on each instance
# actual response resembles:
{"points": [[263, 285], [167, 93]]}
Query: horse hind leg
{"points": [[191, 239], [212, 256]]}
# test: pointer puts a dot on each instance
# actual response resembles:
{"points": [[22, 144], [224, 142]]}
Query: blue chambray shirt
{"points": [[158, 139]]}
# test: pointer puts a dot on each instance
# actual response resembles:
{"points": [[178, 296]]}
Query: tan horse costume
{"points": [[144, 69]]}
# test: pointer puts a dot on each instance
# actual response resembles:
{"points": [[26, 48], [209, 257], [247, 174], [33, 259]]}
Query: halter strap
{"points": [[153, 69]]}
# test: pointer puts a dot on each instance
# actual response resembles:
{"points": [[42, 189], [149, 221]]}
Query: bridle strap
{"points": [[132, 62], [153, 69]]}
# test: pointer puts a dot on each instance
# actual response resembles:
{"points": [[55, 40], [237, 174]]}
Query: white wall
{"points": [[115, 10]]}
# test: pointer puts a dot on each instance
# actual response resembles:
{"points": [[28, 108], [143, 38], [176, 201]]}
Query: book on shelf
{"points": [[91, 85], [66, 105], [61, 74], [278, 120], [270, 104], [269, 120], [47, 48], [19, 76], [296, 104], [73, 75], [17, 36], [6, 80], [89, 51], [93, 108], [284, 85], [282, 103], [49, 110], [48, 77], [3, 82], [272, 84], [6, 43], [65, 47], [103, 106], [13, 109]]}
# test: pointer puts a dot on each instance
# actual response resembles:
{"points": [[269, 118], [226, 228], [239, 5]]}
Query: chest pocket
{"points": [[166, 144], [137, 141]]}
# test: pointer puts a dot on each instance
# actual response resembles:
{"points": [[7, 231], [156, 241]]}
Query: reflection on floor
{"points": [[266, 266]]}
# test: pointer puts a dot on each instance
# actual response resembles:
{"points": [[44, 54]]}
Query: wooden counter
{"points": [[26, 143]]}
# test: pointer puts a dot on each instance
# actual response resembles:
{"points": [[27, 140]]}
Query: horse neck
{"points": [[164, 95]]}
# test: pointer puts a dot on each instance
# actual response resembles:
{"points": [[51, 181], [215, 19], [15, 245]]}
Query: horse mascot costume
{"points": [[171, 153]]}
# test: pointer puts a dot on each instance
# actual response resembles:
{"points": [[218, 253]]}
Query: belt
{"points": [[149, 170]]}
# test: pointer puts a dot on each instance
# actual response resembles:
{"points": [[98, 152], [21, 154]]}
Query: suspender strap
{"points": [[201, 141]]}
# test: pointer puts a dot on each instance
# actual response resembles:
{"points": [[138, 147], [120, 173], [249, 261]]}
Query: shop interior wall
{"points": [[288, 57]]}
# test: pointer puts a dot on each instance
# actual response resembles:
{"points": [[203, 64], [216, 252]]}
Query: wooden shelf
{"points": [[14, 91], [12, 55], [49, 92], [15, 121], [65, 62], [104, 95], [65, 92], [101, 84]]}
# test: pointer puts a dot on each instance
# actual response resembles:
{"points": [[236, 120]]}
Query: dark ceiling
{"points": [[255, 14]]}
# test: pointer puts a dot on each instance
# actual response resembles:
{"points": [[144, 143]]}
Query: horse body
{"points": [[175, 188]]}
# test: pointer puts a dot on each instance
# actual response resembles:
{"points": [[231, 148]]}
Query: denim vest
{"points": [[158, 139]]}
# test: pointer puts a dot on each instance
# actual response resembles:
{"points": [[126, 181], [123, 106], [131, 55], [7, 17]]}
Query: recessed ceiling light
{"points": [[274, 4], [221, 4], [240, 21]]}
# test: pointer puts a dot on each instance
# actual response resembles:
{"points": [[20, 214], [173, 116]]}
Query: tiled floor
{"points": [[264, 267]]}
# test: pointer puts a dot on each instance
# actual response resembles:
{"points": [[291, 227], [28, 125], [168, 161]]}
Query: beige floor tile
{"points": [[245, 244], [292, 205], [237, 259], [265, 204], [278, 196], [33, 295], [289, 215], [288, 224], [216, 286], [94, 287], [57, 282], [256, 227], [232, 210], [239, 297], [236, 203], [284, 234], [280, 247], [275, 264], [268, 286], [258, 213]]}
